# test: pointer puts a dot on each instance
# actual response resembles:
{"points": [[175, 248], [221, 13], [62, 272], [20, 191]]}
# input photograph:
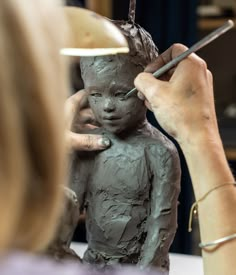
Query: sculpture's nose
{"points": [[109, 105]]}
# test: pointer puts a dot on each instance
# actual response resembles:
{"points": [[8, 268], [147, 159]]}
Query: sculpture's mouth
{"points": [[111, 118]]}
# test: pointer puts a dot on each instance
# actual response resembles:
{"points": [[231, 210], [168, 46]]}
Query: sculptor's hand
{"points": [[80, 116], [182, 100]]}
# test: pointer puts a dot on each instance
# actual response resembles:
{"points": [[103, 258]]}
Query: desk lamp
{"points": [[92, 34]]}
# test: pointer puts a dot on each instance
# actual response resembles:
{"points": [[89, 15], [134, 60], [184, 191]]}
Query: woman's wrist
{"points": [[201, 140], [207, 163]]}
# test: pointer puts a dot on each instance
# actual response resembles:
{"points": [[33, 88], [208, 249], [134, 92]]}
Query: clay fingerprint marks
{"points": [[132, 10]]}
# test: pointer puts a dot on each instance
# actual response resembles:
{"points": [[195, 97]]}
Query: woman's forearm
{"points": [[209, 168]]}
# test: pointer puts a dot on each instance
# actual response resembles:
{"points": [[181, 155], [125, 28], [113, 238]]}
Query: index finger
{"points": [[76, 98], [72, 105], [165, 57]]}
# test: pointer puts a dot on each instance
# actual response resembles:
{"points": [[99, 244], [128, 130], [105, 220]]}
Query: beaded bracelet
{"points": [[194, 208]]}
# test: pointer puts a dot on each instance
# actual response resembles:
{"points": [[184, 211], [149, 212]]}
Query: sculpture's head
{"points": [[107, 79]]}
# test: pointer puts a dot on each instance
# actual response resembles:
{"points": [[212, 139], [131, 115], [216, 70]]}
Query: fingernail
{"points": [[104, 142]]}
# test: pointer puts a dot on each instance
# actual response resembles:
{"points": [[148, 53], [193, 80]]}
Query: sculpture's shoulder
{"points": [[157, 142], [147, 138], [164, 159]]}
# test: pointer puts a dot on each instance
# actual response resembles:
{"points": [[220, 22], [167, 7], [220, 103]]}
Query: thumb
{"points": [[86, 142], [148, 85]]}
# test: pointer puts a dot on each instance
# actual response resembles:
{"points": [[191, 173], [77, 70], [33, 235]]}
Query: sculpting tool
{"points": [[200, 44]]}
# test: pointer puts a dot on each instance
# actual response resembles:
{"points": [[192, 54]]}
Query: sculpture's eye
{"points": [[95, 94], [120, 95]]}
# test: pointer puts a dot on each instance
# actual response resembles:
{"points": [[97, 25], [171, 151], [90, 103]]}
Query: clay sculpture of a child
{"points": [[129, 191]]}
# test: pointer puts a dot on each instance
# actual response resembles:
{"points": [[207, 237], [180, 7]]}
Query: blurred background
{"points": [[183, 21]]}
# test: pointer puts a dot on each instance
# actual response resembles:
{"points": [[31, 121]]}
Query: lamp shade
{"points": [[92, 34]]}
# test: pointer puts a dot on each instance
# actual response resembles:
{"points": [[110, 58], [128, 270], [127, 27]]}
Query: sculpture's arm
{"points": [[162, 222]]}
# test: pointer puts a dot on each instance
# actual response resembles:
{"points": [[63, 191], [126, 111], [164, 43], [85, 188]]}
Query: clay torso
{"points": [[118, 200]]}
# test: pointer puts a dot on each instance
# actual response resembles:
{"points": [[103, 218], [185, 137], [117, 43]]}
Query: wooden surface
{"points": [[103, 7]]}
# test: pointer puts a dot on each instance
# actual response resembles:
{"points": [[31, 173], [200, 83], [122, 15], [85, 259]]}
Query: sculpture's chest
{"points": [[122, 170]]}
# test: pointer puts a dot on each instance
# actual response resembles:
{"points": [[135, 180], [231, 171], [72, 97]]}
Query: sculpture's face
{"points": [[107, 84]]}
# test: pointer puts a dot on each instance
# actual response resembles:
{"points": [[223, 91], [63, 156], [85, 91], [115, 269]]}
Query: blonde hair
{"points": [[32, 84]]}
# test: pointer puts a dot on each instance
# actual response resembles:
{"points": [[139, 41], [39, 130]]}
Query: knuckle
{"points": [[197, 62], [179, 47], [210, 76], [202, 64], [89, 143]]}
